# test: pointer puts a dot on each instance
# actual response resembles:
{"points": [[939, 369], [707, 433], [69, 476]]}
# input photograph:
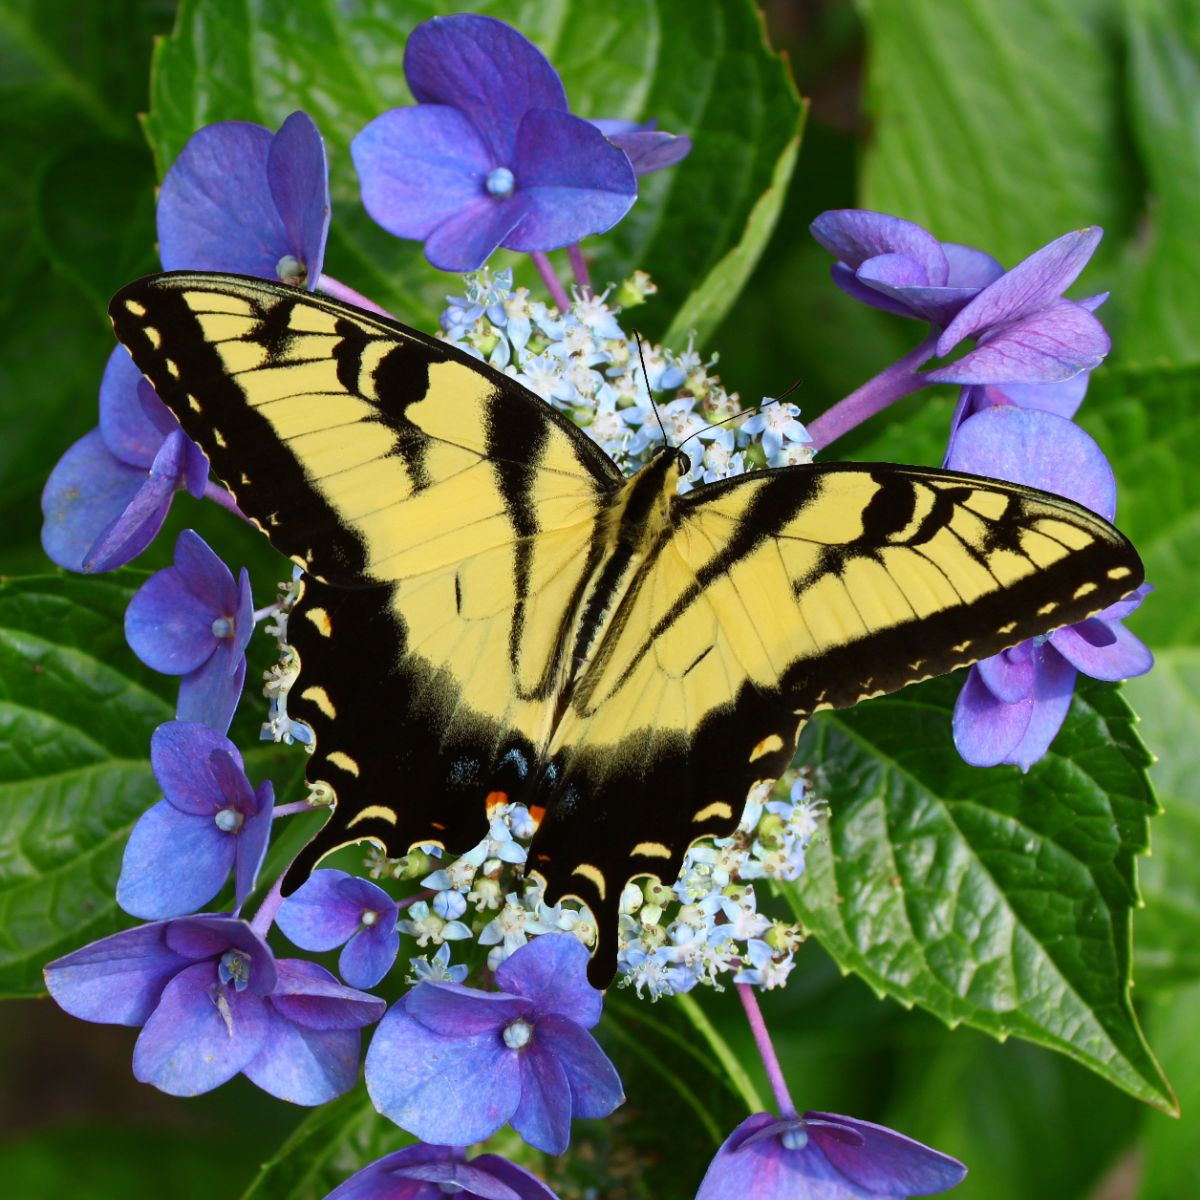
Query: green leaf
{"points": [[999, 123], [1164, 79], [699, 68], [330, 1144], [988, 898], [1167, 947], [76, 713], [1172, 1166], [1150, 423]]}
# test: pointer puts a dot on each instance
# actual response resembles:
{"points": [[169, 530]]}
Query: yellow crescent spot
{"points": [[320, 618], [593, 875], [345, 762], [194, 404], [767, 746], [373, 812], [1084, 589], [172, 367], [320, 697], [1007, 628], [718, 808], [1119, 572], [1047, 609], [153, 336], [652, 850], [138, 310], [219, 438]]}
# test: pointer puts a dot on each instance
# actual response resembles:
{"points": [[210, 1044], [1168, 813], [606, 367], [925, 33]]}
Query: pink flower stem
{"points": [[553, 286], [901, 378], [579, 266], [218, 495], [339, 291], [766, 1050], [265, 917], [288, 810], [424, 894], [262, 613]]}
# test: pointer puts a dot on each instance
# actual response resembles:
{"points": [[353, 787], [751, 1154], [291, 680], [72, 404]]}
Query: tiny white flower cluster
{"points": [[584, 364], [670, 939]]}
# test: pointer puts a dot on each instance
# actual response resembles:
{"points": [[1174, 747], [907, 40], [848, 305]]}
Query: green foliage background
{"points": [[981, 899]]}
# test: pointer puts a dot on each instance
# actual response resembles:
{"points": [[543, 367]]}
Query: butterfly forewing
{"points": [[490, 613]]}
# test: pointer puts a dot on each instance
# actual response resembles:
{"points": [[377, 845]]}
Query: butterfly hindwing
{"points": [[491, 612]]}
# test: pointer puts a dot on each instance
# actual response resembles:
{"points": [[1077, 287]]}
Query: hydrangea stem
{"points": [[553, 285], [265, 917], [579, 266], [901, 378], [218, 495], [288, 810], [762, 1039], [339, 291]]}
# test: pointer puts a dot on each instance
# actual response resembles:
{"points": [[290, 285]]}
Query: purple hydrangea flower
{"points": [[823, 1156], [213, 1001], [332, 907], [489, 156], [895, 265], [424, 1172], [193, 620], [210, 821], [1014, 703], [1024, 331], [109, 494], [451, 1064], [241, 198]]}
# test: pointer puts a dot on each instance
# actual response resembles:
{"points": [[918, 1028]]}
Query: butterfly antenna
{"points": [[637, 337]]}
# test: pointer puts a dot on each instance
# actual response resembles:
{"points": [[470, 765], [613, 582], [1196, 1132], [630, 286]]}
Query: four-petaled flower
{"points": [[191, 619], [424, 1172], [824, 1156], [214, 1001], [451, 1064], [489, 156], [241, 198], [330, 908], [1014, 703], [210, 821], [109, 494]]}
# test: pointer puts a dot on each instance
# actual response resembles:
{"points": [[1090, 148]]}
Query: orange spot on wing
{"points": [[437, 824], [495, 800], [537, 812]]}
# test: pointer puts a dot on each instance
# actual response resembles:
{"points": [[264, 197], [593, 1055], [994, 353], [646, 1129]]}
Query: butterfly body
{"points": [[491, 612]]}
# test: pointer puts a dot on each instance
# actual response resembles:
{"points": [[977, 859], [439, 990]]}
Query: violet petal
{"points": [[1039, 450], [173, 864], [1009, 675], [874, 295], [551, 972], [595, 1085], [204, 574], [543, 1116], [968, 267], [135, 527], [418, 167], [1048, 346], [852, 235], [1031, 285], [179, 756], [305, 1066], [210, 694], [167, 626], [368, 956], [298, 179], [86, 493], [453, 1009], [448, 1090], [893, 270], [885, 1162], [201, 1034], [117, 980], [575, 180], [487, 70], [252, 840], [986, 730], [209, 936], [1051, 701], [1123, 657], [128, 431], [319, 914], [215, 210], [651, 149], [308, 995]]}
